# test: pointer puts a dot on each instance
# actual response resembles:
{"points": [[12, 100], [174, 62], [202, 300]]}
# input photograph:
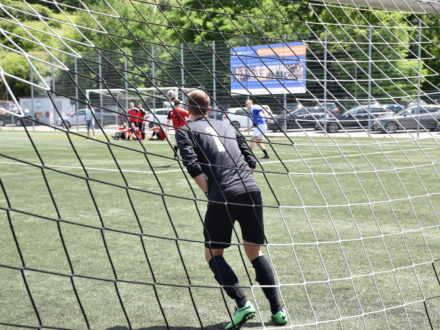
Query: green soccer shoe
{"points": [[280, 318], [241, 315]]}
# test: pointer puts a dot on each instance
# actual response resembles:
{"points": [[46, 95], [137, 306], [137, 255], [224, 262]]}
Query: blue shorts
{"points": [[90, 124]]}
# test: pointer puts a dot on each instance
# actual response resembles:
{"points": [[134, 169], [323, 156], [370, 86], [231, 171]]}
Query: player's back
{"points": [[220, 157], [178, 116]]}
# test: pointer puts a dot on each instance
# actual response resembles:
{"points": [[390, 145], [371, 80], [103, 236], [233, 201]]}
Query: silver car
{"points": [[104, 117], [425, 117]]}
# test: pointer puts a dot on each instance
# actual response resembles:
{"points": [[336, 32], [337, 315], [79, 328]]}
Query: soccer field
{"points": [[353, 230]]}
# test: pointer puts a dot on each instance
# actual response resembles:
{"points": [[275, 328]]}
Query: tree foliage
{"points": [[133, 27]]}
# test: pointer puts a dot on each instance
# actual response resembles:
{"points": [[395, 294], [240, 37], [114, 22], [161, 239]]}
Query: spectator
{"points": [[90, 121]]}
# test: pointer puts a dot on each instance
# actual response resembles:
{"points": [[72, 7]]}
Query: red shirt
{"points": [[133, 113], [160, 133], [178, 116], [136, 132]]}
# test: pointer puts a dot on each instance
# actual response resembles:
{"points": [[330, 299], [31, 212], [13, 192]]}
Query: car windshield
{"points": [[402, 112], [356, 110], [294, 107], [297, 112]]}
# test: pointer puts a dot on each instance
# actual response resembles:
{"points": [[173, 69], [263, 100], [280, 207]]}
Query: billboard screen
{"points": [[269, 69]]}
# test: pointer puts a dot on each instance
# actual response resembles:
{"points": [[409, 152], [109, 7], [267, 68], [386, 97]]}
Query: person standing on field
{"points": [[258, 115], [178, 117], [142, 117], [133, 116], [220, 162], [90, 121]]}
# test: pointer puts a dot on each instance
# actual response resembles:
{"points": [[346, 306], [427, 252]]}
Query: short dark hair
{"points": [[198, 102], [176, 102]]}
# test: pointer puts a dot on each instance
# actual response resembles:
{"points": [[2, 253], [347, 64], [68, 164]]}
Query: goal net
{"points": [[103, 233]]}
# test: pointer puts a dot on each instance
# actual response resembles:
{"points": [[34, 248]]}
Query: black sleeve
{"points": [[246, 151], [187, 152]]}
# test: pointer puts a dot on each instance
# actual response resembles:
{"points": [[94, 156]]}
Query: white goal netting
{"points": [[99, 233]]}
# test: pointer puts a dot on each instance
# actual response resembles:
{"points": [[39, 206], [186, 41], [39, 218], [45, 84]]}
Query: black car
{"points": [[425, 117], [358, 117], [301, 117]]}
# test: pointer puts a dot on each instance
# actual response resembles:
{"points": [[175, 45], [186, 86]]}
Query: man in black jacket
{"points": [[218, 158]]}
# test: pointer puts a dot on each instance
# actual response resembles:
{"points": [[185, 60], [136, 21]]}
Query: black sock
{"points": [[175, 149], [265, 277], [265, 152], [226, 277]]}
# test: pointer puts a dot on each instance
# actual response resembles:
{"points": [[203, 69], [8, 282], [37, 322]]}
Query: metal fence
{"points": [[109, 80]]}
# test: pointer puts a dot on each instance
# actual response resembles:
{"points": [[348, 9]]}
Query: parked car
{"points": [[297, 117], [424, 116], [216, 114], [79, 118], [394, 107], [241, 118], [157, 116], [331, 107], [358, 117], [6, 107]]}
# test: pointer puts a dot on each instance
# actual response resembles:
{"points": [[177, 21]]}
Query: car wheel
{"points": [[332, 128], [150, 125], [391, 127], [236, 124], [66, 124]]}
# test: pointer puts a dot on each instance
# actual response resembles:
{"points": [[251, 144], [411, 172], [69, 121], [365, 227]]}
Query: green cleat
{"points": [[241, 315], [280, 317]]}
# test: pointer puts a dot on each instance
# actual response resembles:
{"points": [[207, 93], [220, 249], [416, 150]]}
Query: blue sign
{"points": [[269, 69]]}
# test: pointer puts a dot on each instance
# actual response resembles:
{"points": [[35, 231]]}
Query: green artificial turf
{"points": [[373, 206]]}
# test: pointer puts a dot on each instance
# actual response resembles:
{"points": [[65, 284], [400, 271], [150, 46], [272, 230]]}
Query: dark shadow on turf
{"points": [[209, 327]]}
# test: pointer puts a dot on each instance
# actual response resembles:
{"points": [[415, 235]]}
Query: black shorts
{"points": [[220, 218]]}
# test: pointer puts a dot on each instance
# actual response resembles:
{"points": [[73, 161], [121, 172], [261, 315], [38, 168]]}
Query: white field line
{"points": [[263, 163]]}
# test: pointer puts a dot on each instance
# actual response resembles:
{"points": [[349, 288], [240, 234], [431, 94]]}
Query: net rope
{"points": [[329, 198]]}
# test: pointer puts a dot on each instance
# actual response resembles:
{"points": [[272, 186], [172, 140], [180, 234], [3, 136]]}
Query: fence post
{"points": [[370, 45], [285, 111], [125, 83], [153, 76], [182, 71], [325, 80], [100, 87], [214, 83], [53, 94], [75, 63], [31, 72], [419, 71]]}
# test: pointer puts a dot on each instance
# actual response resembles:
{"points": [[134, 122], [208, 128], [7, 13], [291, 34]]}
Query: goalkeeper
{"points": [[221, 163]]}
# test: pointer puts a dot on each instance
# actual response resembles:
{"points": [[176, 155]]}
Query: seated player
{"points": [[121, 133], [219, 160], [178, 117], [158, 133], [134, 134]]}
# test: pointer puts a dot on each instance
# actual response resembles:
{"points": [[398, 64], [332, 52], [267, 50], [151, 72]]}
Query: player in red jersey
{"points": [[158, 133], [178, 117], [133, 115]]}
